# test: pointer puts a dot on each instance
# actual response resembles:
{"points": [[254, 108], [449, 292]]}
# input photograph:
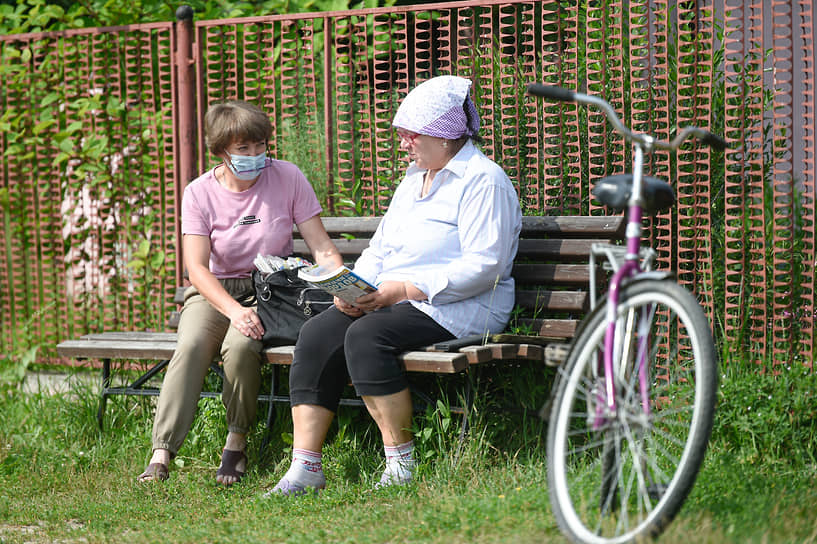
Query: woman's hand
{"points": [[388, 293], [196, 260], [348, 309], [247, 322]]}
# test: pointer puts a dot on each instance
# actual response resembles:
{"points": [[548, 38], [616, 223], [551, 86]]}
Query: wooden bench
{"points": [[552, 276]]}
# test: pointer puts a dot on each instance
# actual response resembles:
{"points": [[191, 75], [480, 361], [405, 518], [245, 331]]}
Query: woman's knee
{"points": [[361, 332], [366, 339], [245, 364], [321, 336], [190, 353], [242, 355]]}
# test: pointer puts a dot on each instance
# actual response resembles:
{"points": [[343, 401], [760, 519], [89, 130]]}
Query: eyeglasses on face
{"points": [[407, 137]]}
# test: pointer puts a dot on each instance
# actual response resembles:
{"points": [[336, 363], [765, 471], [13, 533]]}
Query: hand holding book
{"points": [[389, 293], [340, 282]]}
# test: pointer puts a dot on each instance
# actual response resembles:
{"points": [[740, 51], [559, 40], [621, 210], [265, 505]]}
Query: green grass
{"points": [[63, 480]]}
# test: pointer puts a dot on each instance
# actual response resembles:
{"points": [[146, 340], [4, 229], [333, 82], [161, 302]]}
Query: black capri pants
{"points": [[333, 347]]}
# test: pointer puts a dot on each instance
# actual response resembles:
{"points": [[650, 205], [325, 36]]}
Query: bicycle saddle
{"points": [[614, 192]]}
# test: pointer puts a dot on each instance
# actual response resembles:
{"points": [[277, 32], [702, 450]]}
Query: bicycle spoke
{"points": [[669, 437], [618, 476]]}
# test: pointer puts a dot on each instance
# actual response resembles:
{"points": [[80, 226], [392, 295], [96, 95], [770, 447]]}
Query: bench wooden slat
{"points": [[280, 355], [414, 361], [434, 361], [477, 354], [574, 250], [116, 349], [553, 249], [555, 225], [548, 273], [502, 352], [552, 328], [350, 250], [355, 226], [574, 225], [544, 302], [133, 336], [532, 352], [147, 345]]}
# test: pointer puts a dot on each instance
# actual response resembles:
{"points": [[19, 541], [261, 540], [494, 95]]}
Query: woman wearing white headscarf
{"points": [[441, 259]]}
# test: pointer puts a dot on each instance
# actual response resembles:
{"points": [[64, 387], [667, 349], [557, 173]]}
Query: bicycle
{"points": [[634, 400]]}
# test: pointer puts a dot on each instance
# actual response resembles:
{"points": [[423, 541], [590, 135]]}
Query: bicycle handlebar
{"points": [[555, 93], [565, 95]]}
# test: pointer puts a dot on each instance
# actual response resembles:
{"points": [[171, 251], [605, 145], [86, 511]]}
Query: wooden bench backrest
{"points": [[551, 267]]}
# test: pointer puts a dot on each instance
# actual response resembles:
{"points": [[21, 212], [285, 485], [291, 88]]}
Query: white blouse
{"points": [[456, 244]]}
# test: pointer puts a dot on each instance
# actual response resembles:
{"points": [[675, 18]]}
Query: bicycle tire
{"points": [[614, 480]]}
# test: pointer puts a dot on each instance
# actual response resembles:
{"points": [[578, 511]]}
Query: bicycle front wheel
{"points": [[615, 476]]}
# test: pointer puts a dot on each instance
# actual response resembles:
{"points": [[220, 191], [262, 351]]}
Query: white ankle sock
{"points": [[306, 469], [399, 464]]}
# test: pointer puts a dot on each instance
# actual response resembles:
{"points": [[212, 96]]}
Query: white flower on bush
{"points": [[84, 216]]}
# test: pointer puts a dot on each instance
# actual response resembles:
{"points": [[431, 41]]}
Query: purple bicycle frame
{"points": [[628, 269]]}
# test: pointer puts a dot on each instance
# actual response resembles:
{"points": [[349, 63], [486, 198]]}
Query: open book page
{"points": [[340, 282]]}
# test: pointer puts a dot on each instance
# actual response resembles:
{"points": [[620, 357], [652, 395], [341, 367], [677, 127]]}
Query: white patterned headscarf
{"points": [[439, 107]]}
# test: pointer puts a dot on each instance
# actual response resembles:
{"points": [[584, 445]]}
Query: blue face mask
{"points": [[245, 167]]}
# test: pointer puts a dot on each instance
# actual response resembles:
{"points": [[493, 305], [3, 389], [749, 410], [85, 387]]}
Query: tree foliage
{"points": [[22, 16]]}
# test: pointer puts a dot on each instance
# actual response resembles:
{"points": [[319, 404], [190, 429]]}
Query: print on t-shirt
{"points": [[247, 220]]}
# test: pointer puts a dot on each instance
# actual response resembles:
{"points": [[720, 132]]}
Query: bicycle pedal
{"points": [[556, 354]]}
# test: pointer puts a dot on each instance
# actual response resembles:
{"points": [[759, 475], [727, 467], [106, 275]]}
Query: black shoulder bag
{"points": [[285, 302]]}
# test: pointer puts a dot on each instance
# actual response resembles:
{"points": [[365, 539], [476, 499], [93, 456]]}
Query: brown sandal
{"points": [[229, 460], [156, 472]]}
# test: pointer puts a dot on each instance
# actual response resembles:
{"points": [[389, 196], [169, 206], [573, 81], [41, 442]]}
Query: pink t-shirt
{"points": [[258, 220]]}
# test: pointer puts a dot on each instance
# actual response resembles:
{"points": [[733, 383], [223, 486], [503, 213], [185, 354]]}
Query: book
{"points": [[340, 282]]}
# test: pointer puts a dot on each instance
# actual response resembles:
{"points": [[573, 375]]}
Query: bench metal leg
{"points": [[469, 404], [149, 374], [103, 399], [464, 411], [270, 412], [133, 389]]}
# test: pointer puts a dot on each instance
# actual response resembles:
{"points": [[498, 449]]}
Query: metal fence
{"points": [[100, 133]]}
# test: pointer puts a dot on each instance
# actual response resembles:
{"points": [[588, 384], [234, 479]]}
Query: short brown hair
{"points": [[234, 121]]}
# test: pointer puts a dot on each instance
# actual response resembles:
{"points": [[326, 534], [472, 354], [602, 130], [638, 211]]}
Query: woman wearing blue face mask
{"points": [[244, 206]]}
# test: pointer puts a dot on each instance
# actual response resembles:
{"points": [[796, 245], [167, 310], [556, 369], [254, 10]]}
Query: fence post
{"points": [[185, 117], [327, 112]]}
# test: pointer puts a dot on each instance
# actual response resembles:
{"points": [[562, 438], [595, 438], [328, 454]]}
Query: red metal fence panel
{"points": [[87, 182], [90, 198], [804, 167]]}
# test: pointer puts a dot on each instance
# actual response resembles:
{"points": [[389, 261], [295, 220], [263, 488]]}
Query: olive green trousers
{"points": [[204, 335]]}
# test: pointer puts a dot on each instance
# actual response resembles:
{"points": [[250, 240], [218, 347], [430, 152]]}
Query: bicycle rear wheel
{"points": [[617, 477]]}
